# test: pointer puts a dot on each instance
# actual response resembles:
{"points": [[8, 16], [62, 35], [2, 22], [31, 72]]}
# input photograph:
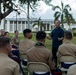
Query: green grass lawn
{"points": [[48, 43]]}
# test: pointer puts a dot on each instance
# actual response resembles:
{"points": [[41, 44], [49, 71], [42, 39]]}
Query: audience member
{"points": [[57, 36], [67, 49], [7, 65], [16, 39], [6, 34], [26, 43], [39, 53], [2, 32], [72, 70]]}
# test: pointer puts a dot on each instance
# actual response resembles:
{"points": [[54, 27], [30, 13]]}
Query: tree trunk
{"points": [[3, 15], [28, 26], [6, 13], [0, 10], [62, 21]]}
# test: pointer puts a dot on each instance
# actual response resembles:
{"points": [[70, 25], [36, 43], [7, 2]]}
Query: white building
{"points": [[11, 24]]}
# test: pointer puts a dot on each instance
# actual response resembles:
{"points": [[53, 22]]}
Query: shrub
{"points": [[74, 34]]}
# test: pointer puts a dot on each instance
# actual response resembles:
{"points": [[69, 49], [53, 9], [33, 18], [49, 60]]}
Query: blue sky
{"points": [[45, 11]]}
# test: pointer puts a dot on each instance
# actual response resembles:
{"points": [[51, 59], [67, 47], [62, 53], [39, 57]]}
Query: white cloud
{"points": [[48, 11], [45, 11], [43, 7]]}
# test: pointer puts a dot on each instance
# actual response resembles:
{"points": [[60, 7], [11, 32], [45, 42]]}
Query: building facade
{"points": [[12, 24]]}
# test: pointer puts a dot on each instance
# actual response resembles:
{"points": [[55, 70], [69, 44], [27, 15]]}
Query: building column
{"points": [[8, 25], [46, 26], [13, 26]]}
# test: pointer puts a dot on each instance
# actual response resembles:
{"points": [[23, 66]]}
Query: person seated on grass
{"points": [[72, 70], [67, 51], [39, 53]]}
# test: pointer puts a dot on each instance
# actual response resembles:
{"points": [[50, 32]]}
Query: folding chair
{"points": [[67, 57], [24, 59], [24, 62], [38, 68]]}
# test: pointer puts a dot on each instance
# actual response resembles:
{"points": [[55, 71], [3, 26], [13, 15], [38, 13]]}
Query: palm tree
{"points": [[63, 13], [9, 6], [69, 19], [40, 24]]}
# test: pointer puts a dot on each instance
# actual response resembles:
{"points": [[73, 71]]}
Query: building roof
{"points": [[32, 19]]}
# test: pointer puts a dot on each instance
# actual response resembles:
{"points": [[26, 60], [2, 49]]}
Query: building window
{"points": [[11, 27], [30, 22], [23, 22], [11, 22], [6, 26], [14, 27], [5, 21], [19, 22], [15, 22], [23, 26], [19, 27]]}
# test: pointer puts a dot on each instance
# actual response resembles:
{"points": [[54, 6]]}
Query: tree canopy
{"points": [[34, 1], [6, 6]]}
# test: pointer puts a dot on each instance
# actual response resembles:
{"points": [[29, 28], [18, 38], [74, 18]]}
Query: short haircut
{"points": [[4, 41], [2, 29], [56, 20], [40, 35], [25, 31], [68, 35], [6, 33], [15, 31]]}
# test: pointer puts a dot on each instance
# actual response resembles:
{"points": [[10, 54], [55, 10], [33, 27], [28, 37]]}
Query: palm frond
{"points": [[47, 1], [57, 13], [65, 11], [34, 24], [67, 7], [57, 17], [62, 16], [51, 5], [71, 17], [56, 7], [62, 5]]}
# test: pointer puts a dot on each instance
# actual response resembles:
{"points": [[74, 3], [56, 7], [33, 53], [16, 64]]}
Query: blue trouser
{"points": [[54, 52], [66, 65], [24, 62]]}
